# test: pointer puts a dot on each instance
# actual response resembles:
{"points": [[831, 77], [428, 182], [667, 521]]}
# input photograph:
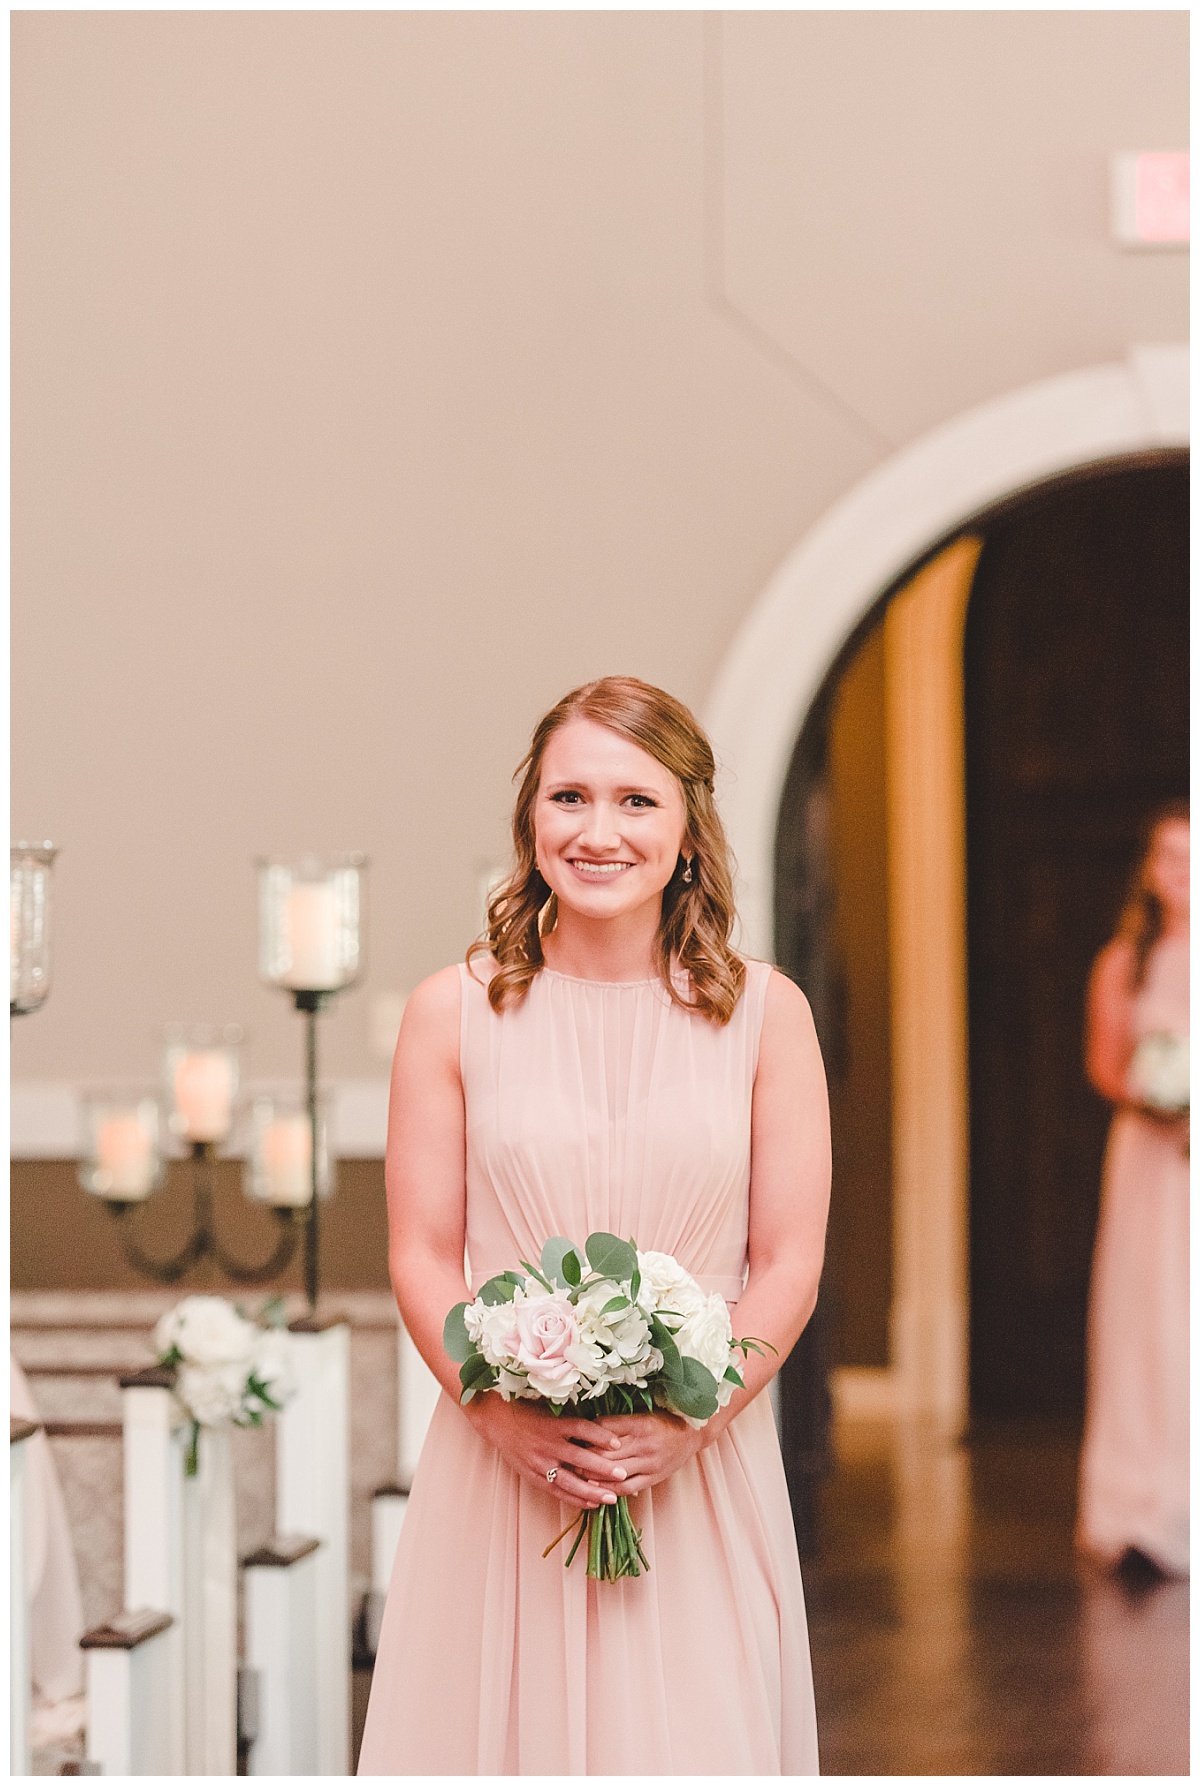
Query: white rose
{"points": [[666, 1285], [207, 1330], [212, 1394], [707, 1336], [493, 1329]]}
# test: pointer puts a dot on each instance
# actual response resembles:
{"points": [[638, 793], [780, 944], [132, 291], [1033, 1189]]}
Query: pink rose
{"points": [[546, 1329]]}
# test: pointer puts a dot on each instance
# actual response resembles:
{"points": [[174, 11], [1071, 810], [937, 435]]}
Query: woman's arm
{"points": [[789, 1206], [1110, 1042], [1109, 1039], [427, 1213]]}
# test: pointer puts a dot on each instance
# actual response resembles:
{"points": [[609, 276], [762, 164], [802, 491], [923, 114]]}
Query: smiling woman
{"points": [[604, 1063], [616, 797]]}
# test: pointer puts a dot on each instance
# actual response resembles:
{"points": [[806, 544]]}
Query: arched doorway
{"points": [[1075, 680], [824, 601]]}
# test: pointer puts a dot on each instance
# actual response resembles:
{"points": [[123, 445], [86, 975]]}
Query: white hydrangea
{"points": [[613, 1347]]}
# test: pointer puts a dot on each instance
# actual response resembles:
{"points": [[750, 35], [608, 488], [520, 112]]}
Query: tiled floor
{"points": [[954, 1631]]}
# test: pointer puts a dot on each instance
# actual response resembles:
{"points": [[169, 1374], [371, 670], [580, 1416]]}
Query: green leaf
{"points": [[664, 1340], [497, 1289], [694, 1391], [455, 1337], [477, 1372], [614, 1303], [611, 1257], [731, 1376], [535, 1273], [555, 1254], [635, 1284]]}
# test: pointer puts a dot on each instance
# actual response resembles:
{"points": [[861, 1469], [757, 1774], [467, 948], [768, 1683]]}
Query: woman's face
{"points": [[1167, 866], [608, 821]]}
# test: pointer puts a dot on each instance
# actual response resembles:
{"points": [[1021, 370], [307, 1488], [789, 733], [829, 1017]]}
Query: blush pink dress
{"points": [[1134, 1470], [600, 1106]]}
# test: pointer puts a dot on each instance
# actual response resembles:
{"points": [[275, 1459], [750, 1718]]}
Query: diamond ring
{"points": [[551, 1475]]}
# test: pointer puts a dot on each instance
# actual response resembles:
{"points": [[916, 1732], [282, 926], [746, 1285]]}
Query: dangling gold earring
{"points": [[687, 872]]}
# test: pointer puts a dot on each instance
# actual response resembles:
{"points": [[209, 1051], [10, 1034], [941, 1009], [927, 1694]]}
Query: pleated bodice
{"points": [[607, 1106]]}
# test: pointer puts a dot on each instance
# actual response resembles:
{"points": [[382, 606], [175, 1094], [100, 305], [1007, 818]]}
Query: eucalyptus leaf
{"points": [[614, 1303], [663, 1339], [497, 1290], [476, 1372], [611, 1257], [555, 1253], [694, 1391], [731, 1376], [455, 1337]]}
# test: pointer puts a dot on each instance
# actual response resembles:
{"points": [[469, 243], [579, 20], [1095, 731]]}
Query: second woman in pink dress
{"points": [[1134, 1473]]}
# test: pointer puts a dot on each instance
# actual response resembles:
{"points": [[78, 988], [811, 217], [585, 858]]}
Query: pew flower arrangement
{"points": [[602, 1329], [229, 1370]]}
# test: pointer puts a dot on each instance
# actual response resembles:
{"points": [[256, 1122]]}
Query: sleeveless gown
{"points": [[600, 1106], [1134, 1468]]}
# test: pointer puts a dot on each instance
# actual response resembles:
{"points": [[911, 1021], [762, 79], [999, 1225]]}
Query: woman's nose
{"points": [[601, 829]]}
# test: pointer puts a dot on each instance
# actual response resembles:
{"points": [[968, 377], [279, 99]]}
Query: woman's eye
{"points": [[642, 800], [566, 797]]}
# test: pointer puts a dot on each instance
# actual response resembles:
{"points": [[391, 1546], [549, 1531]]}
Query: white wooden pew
{"points": [[281, 1650], [129, 1667], [312, 1495]]}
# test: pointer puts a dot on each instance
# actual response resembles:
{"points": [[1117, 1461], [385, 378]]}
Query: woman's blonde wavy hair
{"points": [[697, 916]]}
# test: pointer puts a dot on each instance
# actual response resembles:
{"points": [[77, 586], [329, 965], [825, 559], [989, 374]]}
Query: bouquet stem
{"points": [[614, 1543]]}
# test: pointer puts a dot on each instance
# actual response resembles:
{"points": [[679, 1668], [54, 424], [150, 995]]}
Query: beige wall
{"points": [[377, 376]]}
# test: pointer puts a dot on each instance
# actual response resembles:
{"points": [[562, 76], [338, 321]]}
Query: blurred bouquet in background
{"points": [[1160, 1073], [602, 1330], [229, 1370]]}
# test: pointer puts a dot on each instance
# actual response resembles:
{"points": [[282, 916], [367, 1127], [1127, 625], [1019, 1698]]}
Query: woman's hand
{"points": [[531, 1441], [651, 1447]]}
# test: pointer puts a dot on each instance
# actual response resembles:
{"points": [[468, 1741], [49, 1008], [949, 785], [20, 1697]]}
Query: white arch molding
{"points": [[786, 647]]}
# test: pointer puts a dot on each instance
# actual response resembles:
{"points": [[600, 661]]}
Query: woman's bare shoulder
{"points": [[433, 1008], [787, 1027]]}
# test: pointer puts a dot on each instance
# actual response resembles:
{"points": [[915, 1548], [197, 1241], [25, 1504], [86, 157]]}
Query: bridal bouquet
{"points": [[605, 1330], [1159, 1073], [228, 1369]]}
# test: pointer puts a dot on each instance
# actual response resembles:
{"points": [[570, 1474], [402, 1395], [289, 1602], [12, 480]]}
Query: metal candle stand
{"points": [[310, 1003], [203, 1243]]}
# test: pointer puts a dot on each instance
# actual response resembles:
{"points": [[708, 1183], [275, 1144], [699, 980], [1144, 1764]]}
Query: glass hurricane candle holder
{"points": [[29, 925], [311, 922], [123, 1159], [200, 1073], [279, 1157]]}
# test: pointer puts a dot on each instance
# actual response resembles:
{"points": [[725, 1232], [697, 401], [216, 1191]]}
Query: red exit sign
{"points": [[1150, 199]]}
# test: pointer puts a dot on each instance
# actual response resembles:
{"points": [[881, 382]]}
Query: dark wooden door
{"points": [[1077, 724]]}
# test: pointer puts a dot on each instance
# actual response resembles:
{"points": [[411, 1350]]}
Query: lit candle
{"points": [[285, 1161], [313, 934], [125, 1159], [203, 1091]]}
